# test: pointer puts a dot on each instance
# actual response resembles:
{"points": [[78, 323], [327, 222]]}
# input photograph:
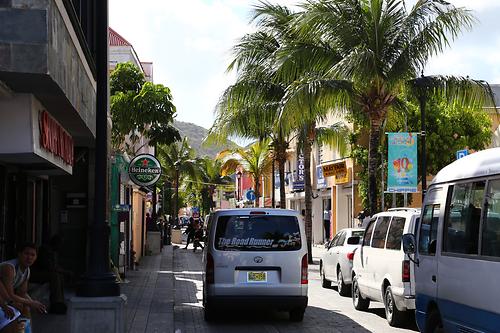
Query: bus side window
{"points": [[461, 232], [428, 230], [491, 225]]}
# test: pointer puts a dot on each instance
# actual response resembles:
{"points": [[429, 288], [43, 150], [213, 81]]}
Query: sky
{"points": [[190, 41]]}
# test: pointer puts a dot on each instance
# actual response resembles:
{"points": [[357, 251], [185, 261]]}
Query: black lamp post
{"points": [[238, 178], [99, 281], [422, 84]]}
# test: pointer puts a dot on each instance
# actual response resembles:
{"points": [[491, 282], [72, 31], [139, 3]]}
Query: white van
{"points": [[381, 271], [457, 248], [255, 257]]}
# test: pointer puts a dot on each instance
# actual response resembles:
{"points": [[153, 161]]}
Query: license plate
{"points": [[257, 276]]}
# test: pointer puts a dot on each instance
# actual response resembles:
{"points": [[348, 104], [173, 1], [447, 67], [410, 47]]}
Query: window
{"points": [[335, 239], [380, 232], [368, 233], [463, 218], [491, 227], [341, 239], [257, 233], [395, 233], [428, 230]]}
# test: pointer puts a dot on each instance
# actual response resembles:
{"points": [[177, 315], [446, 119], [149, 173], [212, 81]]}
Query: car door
{"points": [[361, 270], [378, 260], [336, 253], [327, 265], [427, 269]]}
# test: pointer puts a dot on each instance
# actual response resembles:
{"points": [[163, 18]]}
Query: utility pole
{"points": [[422, 98]]}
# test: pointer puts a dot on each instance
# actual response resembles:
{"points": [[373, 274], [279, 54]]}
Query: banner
{"points": [[339, 170], [402, 164], [320, 179], [299, 181]]}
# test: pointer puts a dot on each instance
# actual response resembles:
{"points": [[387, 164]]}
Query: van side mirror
{"points": [[409, 243], [353, 240]]}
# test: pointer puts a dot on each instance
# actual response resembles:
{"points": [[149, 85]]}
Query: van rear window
{"points": [[257, 233]]}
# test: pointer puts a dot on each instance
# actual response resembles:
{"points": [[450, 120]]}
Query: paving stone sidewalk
{"points": [[150, 299]]}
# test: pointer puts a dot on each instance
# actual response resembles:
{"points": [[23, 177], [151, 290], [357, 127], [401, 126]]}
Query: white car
{"points": [[336, 263], [381, 271], [255, 257]]}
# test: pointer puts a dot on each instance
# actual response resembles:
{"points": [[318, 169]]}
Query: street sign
{"points": [[251, 195], [461, 153]]}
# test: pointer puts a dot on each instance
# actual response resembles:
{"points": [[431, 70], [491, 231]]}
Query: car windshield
{"points": [[257, 233]]}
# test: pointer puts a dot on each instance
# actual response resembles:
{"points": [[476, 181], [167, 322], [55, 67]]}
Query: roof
{"points": [[483, 163], [115, 39]]}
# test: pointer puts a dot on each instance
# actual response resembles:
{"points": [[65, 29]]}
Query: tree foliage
{"points": [[139, 109]]}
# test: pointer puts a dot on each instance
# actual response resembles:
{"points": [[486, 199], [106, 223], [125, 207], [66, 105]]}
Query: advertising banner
{"points": [[299, 181], [402, 164]]}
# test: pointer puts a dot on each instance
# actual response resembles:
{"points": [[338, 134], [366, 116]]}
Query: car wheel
{"points": [[324, 282], [359, 302], [297, 314], [342, 288], [434, 323], [392, 314]]}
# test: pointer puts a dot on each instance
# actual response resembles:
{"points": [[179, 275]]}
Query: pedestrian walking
{"points": [[198, 237], [190, 230]]}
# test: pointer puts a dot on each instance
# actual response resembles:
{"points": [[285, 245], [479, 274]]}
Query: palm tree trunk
{"points": [[273, 183], [308, 190], [281, 159], [373, 163]]}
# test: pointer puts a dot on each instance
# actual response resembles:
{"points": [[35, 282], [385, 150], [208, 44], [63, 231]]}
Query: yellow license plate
{"points": [[257, 276]]}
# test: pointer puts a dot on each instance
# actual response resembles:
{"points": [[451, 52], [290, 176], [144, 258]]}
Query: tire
{"points": [[297, 315], [360, 303], [434, 323], [342, 288], [324, 282], [392, 314]]}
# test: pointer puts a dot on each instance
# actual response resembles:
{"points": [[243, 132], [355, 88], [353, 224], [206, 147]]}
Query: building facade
{"points": [[47, 120]]}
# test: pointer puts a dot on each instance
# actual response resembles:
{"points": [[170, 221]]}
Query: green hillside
{"points": [[195, 135]]}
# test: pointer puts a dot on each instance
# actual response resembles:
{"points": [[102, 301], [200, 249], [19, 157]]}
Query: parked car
{"points": [[336, 264], [255, 258], [381, 271], [457, 250]]}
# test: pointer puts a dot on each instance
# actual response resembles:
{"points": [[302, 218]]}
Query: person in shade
{"points": [[190, 230], [14, 276]]}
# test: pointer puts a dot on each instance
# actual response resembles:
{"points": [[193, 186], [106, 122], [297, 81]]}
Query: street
{"points": [[327, 311]]}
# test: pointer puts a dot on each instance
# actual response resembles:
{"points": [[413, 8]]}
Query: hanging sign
{"points": [[402, 173], [320, 179], [339, 170], [144, 170], [299, 182]]}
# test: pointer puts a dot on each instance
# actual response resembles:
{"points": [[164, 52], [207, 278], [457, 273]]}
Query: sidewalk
{"points": [[150, 299]]}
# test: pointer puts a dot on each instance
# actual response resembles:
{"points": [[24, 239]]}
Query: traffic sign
{"points": [[462, 153], [251, 195]]}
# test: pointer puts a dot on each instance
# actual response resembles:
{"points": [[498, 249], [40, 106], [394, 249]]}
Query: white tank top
{"points": [[20, 275]]}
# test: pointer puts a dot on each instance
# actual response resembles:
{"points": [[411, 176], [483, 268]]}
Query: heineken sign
{"points": [[144, 170]]}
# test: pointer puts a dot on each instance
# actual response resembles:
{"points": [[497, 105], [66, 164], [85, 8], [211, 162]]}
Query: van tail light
{"points": [[406, 271], [209, 269], [303, 271], [350, 256]]}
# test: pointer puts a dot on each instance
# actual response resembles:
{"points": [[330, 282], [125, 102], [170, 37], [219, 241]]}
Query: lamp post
{"points": [[99, 281], [422, 84]]}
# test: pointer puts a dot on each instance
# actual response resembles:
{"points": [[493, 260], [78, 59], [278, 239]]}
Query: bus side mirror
{"points": [[409, 243]]}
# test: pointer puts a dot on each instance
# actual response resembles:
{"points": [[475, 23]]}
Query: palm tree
{"points": [[256, 160], [368, 53], [177, 160], [211, 176]]}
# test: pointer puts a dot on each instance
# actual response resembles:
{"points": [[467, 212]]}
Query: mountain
{"points": [[196, 134]]}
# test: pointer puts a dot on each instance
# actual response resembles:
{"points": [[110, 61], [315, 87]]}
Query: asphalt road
{"points": [[327, 311]]}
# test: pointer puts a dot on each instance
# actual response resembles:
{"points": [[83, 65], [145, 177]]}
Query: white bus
{"points": [[457, 248]]}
